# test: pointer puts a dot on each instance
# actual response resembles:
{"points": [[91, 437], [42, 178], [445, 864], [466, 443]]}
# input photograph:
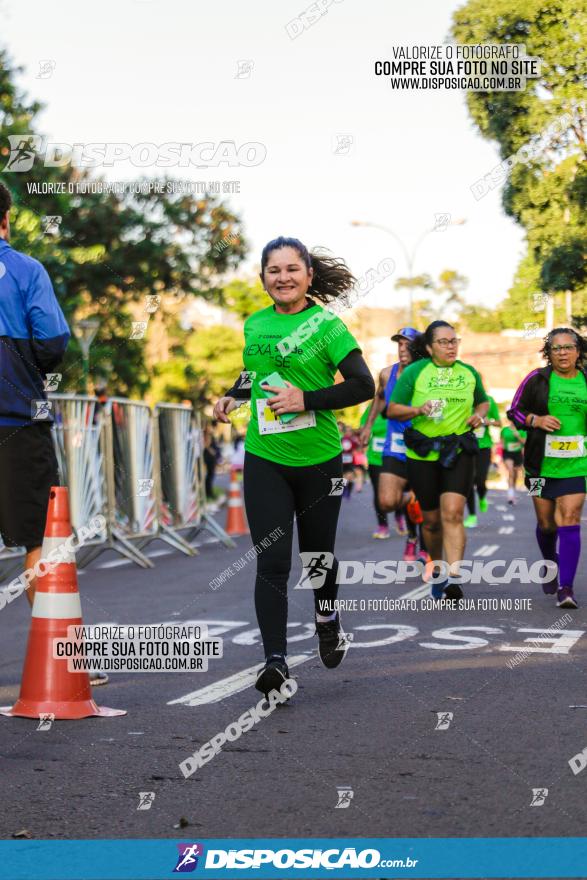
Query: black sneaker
{"points": [[453, 592], [332, 642], [272, 675]]}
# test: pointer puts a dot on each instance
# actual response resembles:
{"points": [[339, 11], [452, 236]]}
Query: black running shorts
{"points": [[393, 465], [429, 480], [28, 469], [555, 487]]}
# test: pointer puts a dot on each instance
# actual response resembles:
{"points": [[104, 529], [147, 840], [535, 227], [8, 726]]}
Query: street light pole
{"points": [[408, 256], [85, 332]]}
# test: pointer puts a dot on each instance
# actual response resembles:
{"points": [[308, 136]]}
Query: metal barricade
{"points": [[142, 469], [179, 457], [176, 458], [76, 435], [127, 441]]}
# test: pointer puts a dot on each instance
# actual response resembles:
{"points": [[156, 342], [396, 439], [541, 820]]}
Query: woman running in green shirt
{"points": [[376, 432], [293, 465], [446, 401], [551, 403], [482, 463], [512, 441]]}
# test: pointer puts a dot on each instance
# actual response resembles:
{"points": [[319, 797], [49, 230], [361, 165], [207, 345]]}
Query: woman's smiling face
{"points": [[286, 277]]}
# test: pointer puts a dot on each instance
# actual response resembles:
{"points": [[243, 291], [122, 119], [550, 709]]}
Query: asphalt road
{"points": [[370, 725]]}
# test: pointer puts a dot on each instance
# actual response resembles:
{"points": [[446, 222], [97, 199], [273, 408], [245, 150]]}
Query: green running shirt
{"points": [[510, 440], [378, 432], [458, 389], [305, 349], [567, 401], [484, 435]]}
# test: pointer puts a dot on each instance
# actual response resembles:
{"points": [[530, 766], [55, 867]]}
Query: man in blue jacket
{"points": [[33, 339]]}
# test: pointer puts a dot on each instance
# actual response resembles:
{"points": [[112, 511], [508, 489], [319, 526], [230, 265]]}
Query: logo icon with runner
{"points": [[444, 719], [41, 410], [536, 485], [23, 150], [345, 796], [146, 799], [539, 795], [187, 861], [46, 719], [338, 484], [315, 568]]}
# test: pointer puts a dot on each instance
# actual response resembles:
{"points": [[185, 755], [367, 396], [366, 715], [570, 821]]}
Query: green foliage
{"points": [[547, 194], [205, 364], [243, 297]]}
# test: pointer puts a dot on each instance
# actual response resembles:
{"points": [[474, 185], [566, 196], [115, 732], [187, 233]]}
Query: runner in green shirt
{"points": [[293, 462], [512, 443], [551, 403], [482, 463], [446, 401], [378, 431]]}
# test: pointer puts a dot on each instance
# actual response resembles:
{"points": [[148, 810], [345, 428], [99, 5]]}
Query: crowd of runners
{"points": [[426, 440]]}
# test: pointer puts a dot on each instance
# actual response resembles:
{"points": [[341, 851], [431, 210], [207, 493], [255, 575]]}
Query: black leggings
{"points": [[482, 462], [274, 495], [374, 473]]}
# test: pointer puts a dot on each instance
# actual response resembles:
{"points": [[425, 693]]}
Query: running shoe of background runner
{"points": [[470, 522], [381, 532], [401, 525], [483, 505], [410, 550], [271, 676], [566, 599], [332, 642]]}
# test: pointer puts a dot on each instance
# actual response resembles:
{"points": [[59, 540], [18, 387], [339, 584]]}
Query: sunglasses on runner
{"points": [[556, 349]]}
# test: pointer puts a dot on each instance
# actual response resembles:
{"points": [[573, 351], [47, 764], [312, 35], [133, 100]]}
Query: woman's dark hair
{"points": [[580, 342], [332, 277], [5, 200], [418, 345]]}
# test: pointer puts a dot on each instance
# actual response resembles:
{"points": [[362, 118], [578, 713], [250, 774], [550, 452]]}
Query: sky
{"points": [[341, 144]]}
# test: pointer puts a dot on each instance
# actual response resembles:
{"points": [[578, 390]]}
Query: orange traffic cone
{"points": [[235, 517], [47, 686]]}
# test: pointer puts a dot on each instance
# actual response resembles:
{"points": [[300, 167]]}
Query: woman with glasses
{"points": [[551, 405], [446, 402]]}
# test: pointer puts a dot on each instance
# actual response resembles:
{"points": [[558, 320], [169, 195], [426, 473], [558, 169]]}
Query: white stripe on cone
{"points": [[59, 606], [50, 544]]}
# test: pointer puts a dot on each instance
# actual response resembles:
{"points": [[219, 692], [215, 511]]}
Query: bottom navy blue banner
{"points": [[302, 857]]}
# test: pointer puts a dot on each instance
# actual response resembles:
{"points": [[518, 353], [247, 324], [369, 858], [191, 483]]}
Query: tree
{"points": [[205, 364], [541, 130], [244, 297]]}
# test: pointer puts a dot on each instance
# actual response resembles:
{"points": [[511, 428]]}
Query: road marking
{"points": [[486, 550], [501, 507], [240, 681], [226, 687], [508, 516], [505, 530], [418, 593]]}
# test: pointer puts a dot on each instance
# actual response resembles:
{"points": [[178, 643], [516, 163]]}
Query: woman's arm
{"points": [[358, 386]]}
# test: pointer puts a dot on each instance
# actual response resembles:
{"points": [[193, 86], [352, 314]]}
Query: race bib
{"points": [[269, 423], [565, 447], [398, 444], [480, 432], [512, 447], [377, 444]]}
